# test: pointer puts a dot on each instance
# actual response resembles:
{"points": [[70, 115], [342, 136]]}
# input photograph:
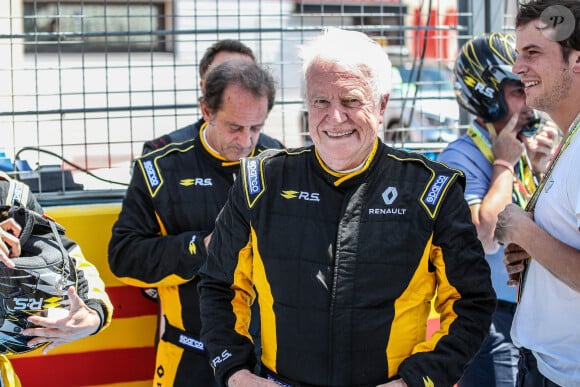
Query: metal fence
{"points": [[83, 83]]}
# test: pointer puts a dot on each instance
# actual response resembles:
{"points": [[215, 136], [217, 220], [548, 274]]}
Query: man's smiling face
{"points": [[545, 74], [343, 115]]}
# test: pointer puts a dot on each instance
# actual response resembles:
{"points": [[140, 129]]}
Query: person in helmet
{"points": [[501, 157], [89, 308]]}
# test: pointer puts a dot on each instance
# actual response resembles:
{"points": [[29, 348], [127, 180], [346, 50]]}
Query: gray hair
{"points": [[354, 51]]}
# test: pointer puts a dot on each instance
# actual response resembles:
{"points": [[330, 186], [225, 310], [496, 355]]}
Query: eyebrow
{"points": [[530, 46], [244, 126]]}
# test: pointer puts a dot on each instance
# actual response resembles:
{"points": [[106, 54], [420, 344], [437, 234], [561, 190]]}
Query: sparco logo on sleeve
{"points": [[253, 178], [151, 173], [435, 189]]}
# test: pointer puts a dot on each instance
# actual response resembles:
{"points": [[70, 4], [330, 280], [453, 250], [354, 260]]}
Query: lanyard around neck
{"points": [[561, 148], [534, 199]]}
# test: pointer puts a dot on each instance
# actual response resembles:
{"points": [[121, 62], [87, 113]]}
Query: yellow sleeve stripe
{"points": [[244, 293], [412, 308], [267, 315]]}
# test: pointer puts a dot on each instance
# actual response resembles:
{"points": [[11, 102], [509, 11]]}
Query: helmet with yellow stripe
{"points": [[481, 69]]}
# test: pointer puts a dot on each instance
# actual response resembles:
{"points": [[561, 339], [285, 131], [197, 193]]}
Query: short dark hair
{"points": [[226, 45], [533, 9], [249, 75]]}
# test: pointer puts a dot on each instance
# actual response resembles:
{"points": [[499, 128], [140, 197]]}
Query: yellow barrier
{"points": [[123, 354]]}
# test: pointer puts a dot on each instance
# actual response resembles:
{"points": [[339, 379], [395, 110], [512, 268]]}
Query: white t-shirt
{"points": [[547, 320]]}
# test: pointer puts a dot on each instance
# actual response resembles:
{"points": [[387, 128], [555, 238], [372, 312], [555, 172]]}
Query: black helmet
{"points": [[483, 65], [39, 282]]}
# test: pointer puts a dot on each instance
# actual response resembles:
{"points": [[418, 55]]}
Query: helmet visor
{"points": [[498, 74]]}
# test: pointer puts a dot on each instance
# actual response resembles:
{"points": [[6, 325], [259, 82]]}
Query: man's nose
{"points": [[336, 113], [246, 138], [518, 66]]}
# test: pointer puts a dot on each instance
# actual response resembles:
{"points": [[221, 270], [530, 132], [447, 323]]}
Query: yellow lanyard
{"points": [[482, 142], [561, 148], [524, 183], [534, 199]]}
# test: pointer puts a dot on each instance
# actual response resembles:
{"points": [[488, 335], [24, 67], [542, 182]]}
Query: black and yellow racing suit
{"points": [[171, 204], [345, 267], [90, 287]]}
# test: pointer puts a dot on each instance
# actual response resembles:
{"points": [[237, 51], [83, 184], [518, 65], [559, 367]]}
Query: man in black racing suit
{"points": [[369, 247], [343, 245], [170, 208]]}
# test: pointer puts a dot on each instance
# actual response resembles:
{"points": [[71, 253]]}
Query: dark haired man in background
{"points": [[171, 205]]}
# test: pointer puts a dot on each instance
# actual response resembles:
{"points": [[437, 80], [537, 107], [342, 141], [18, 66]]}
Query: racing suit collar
{"points": [[213, 154], [338, 178]]}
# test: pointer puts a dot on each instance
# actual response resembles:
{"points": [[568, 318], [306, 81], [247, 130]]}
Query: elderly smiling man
{"points": [[343, 245]]}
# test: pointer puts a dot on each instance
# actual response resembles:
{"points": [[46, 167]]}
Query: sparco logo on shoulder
{"points": [[253, 177], [435, 189], [151, 173]]}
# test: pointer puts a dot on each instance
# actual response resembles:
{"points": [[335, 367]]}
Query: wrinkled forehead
{"points": [[324, 74]]}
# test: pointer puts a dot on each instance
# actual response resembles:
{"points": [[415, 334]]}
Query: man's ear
{"points": [[383, 106], [205, 112], [384, 102], [575, 59]]}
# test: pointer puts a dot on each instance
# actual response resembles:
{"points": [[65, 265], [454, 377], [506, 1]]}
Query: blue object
{"points": [[6, 164], [22, 165]]}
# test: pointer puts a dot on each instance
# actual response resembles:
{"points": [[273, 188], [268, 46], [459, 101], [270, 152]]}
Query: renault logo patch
{"points": [[390, 195]]}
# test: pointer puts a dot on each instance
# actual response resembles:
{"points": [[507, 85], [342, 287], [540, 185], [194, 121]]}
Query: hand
{"points": [[509, 221], [514, 257], [540, 148], [506, 145], [394, 383], [9, 242], [81, 321], [244, 378]]}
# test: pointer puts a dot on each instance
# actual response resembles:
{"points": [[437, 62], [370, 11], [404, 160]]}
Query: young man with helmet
{"points": [[88, 309], [501, 156]]}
